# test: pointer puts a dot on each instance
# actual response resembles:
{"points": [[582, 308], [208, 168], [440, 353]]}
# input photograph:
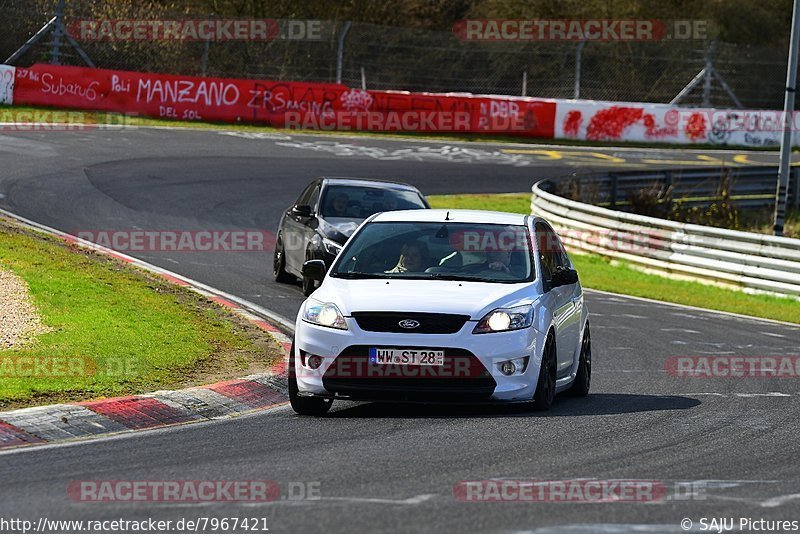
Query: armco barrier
{"points": [[742, 260]]}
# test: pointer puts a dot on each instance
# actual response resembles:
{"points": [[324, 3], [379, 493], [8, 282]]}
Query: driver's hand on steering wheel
{"points": [[499, 266]]}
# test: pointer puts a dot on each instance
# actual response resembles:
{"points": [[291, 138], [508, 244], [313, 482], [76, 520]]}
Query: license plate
{"points": [[406, 357]]}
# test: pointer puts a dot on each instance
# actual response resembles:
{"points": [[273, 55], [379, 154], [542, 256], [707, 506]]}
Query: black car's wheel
{"points": [[583, 379], [304, 405], [279, 273], [546, 385], [308, 286]]}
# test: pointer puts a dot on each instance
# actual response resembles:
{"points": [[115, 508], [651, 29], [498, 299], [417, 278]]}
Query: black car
{"points": [[326, 213]]}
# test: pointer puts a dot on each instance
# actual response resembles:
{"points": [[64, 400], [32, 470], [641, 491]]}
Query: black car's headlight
{"points": [[505, 319], [331, 247], [323, 314]]}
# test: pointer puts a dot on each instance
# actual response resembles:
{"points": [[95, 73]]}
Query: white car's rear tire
{"points": [[583, 378]]}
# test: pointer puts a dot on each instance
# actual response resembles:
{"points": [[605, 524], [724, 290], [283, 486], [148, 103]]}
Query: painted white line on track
{"points": [[772, 334], [740, 395], [417, 499], [781, 500], [688, 307]]}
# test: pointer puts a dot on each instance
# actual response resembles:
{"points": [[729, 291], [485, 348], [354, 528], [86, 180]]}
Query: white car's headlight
{"points": [[505, 319], [323, 314], [331, 247]]}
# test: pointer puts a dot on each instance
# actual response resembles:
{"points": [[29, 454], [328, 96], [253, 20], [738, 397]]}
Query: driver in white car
{"points": [[414, 257]]}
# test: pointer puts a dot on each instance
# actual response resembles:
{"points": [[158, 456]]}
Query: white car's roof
{"points": [[464, 216]]}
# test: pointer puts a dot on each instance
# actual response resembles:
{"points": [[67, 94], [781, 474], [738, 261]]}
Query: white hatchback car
{"points": [[443, 306]]}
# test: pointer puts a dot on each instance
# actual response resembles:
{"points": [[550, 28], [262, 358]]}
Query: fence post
{"points": [[576, 93], [709, 73], [363, 79], [524, 83], [796, 181], [340, 51], [58, 32], [206, 49]]}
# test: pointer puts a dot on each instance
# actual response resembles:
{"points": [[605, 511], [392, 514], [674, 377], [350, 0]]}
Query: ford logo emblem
{"points": [[408, 324]]}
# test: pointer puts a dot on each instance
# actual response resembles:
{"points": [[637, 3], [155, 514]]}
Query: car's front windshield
{"points": [[359, 202], [438, 250]]}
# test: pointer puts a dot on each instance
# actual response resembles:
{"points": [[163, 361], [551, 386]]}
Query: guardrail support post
{"points": [[667, 187], [613, 194]]}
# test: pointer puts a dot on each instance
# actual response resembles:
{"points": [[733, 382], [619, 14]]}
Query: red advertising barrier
{"points": [[282, 104], [176, 97]]}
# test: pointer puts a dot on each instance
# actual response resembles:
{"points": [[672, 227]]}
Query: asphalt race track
{"points": [[717, 447]]}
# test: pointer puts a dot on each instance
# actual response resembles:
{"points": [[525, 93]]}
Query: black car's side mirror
{"points": [[314, 270], [301, 210], [564, 277]]}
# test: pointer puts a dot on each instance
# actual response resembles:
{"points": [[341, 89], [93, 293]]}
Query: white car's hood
{"points": [[434, 296]]}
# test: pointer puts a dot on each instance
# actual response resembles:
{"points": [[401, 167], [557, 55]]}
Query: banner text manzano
{"points": [[279, 104]]}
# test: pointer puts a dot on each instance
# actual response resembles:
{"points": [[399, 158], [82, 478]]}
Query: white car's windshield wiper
{"points": [[353, 275], [466, 278]]}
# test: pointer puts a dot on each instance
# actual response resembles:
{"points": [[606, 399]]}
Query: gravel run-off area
{"points": [[19, 322]]}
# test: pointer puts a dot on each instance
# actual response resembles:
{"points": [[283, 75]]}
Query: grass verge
{"points": [[120, 120], [597, 272], [116, 329]]}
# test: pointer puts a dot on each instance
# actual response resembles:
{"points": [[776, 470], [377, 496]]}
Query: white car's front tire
{"points": [[313, 406], [546, 384]]}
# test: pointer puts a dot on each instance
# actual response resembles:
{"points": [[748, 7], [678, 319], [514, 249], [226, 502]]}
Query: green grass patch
{"points": [[512, 202], [133, 331], [597, 272], [116, 119]]}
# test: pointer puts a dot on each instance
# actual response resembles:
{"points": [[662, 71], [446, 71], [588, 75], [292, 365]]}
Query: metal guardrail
{"points": [[742, 260]]}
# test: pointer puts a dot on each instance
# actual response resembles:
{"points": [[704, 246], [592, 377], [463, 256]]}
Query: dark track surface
{"points": [[386, 467]]}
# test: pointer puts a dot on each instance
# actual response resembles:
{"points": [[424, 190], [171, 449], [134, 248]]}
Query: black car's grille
{"points": [[426, 323], [462, 377]]}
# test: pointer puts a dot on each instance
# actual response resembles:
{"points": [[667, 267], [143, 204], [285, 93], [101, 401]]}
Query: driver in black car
{"points": [[338, 206]]}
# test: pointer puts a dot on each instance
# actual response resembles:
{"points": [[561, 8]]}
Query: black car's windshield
{"points": [[438, 250], [359, 202]]}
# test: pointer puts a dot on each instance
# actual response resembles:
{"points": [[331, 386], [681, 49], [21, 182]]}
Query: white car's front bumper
{"points": [[489, 349]]}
